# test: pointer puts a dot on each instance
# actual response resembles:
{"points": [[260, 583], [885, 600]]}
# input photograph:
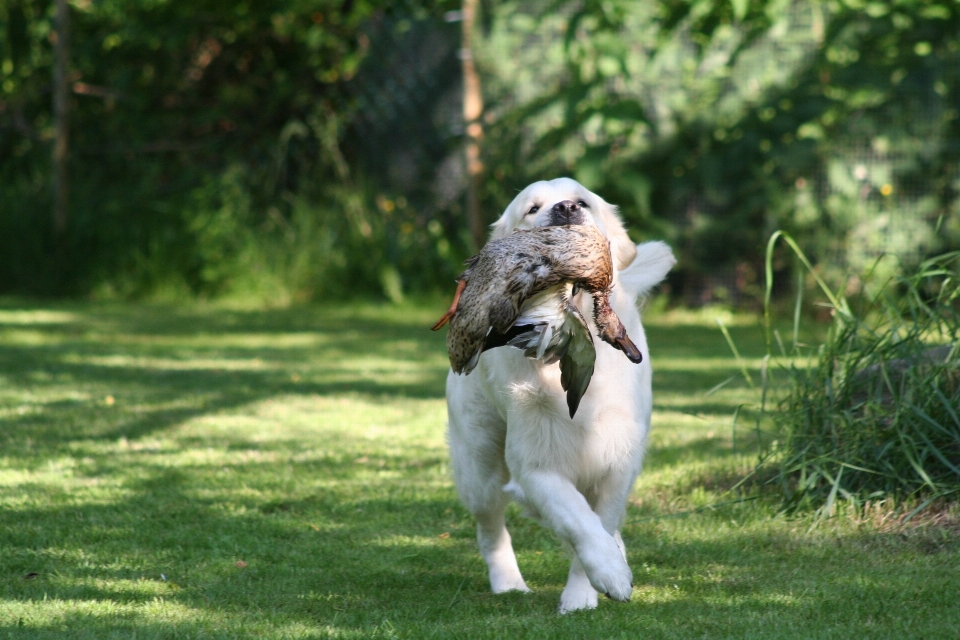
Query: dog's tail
{"points": [[654, 260]]}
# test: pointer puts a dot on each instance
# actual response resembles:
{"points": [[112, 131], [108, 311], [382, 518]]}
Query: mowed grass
{"points": [[213, 472]]}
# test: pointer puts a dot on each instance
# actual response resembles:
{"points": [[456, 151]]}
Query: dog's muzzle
{"points": [[564, 213]]}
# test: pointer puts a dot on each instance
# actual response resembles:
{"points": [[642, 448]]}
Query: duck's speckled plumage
{"points": [[509, 272]]}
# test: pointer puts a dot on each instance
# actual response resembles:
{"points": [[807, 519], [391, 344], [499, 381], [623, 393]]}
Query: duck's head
{"points": [[564, 201], [612, 331]]}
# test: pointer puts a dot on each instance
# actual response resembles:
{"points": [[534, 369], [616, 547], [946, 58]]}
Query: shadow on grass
{"points": [[214, 391], [336, 545], [719, 580], [153, 395], [343, 337], [693, 450], [303, 557]]}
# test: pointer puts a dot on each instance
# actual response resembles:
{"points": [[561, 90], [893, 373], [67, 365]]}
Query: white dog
{"points": [[511, 435]]}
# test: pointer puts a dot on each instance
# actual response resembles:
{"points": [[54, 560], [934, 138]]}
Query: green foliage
{"points": [[252, 148], [210, 153], [716, 122], [876, 415]]}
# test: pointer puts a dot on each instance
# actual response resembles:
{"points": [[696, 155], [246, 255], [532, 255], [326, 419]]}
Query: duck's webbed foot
{"points": [[453, 307]]}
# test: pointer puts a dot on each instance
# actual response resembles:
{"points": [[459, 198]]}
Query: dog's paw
{"points": [[513, 585], [504, 581], [576, 597], [607, 570]]}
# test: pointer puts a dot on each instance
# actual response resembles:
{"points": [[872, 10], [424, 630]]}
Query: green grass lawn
{"points": [[208, 472]]}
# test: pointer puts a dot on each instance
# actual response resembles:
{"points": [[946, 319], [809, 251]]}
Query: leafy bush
{"points": [[216, 150], [712, 123], [877, 413]]}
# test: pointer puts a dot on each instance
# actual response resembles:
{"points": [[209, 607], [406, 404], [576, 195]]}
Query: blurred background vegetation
{"points": [[293, 150]]}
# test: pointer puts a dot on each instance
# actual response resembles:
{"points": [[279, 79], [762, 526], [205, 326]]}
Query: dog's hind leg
{"points": [[492, 536], [476, 439], [578, 592], [497, 550], [611, 501]]}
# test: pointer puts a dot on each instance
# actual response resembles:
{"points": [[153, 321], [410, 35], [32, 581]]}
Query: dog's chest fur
{"points": [[603, 435]]}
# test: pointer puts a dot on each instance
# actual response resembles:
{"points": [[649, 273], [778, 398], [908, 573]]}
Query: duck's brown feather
{"points": [[509, 271]]}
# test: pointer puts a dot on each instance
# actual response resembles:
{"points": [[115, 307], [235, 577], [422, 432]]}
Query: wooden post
{"points": [[472, 110], [61, 117]]}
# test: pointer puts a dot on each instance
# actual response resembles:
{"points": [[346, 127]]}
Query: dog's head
{"points": [[564, 201]]}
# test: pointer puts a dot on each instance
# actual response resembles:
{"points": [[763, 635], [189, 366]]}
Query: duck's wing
{"points": [[496, 339], [578, 360], [550, 329], [538, 329]]}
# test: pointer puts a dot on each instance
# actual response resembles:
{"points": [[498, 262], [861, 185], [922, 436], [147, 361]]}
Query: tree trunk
{"points": [[472, 110], [61, 117]]}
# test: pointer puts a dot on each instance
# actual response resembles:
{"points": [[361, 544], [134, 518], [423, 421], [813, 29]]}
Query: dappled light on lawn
{"points": [[278, 474]]}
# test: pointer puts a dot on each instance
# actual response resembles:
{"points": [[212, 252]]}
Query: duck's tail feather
{"points": [[567, 341], [471, 363], [534, 340], [648, 269], [549, 335], [526, 336], [496, 339]]}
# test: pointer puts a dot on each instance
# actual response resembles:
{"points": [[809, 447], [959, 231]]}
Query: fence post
{"points": [[61, 117], [472, 110]]}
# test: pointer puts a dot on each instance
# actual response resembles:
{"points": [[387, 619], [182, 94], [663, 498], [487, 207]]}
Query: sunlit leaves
{"points": [[735, 103]]}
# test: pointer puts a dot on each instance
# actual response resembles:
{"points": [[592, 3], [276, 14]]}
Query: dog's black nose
{"points": [[566, 207], [565, 212]]}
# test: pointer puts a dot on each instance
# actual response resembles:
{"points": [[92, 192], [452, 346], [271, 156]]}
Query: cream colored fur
{"points": [[511, 438]]}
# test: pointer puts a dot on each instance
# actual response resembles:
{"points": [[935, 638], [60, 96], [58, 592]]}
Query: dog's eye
{"points": [[582, 204], [533, 210]]}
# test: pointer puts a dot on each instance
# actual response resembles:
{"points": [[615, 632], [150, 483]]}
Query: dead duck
{"points": [[518, 292]]}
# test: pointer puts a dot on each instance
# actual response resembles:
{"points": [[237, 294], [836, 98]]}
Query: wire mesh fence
{"points": [[879, 183]]}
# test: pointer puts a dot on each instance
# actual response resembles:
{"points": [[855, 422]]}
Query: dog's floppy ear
{"points": [[621, 246], [505, 225], [501, 228]]}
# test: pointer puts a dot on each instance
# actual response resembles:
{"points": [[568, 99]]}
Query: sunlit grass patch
{"points": [[19, 317], [155, 481], [705, 317]]}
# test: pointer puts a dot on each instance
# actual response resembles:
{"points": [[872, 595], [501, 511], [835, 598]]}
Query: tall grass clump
{"points": [[876, 413]]}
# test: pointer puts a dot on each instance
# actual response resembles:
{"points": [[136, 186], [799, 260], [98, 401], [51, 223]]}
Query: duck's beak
{"points": [[626, 345], [623, 342]]}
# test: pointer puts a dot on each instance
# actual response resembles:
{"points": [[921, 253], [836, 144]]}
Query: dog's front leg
{"points": [[567, 512], [476, 451]]}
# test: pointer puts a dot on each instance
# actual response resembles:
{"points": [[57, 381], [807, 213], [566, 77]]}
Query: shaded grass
{"points": [[212, 472]]}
